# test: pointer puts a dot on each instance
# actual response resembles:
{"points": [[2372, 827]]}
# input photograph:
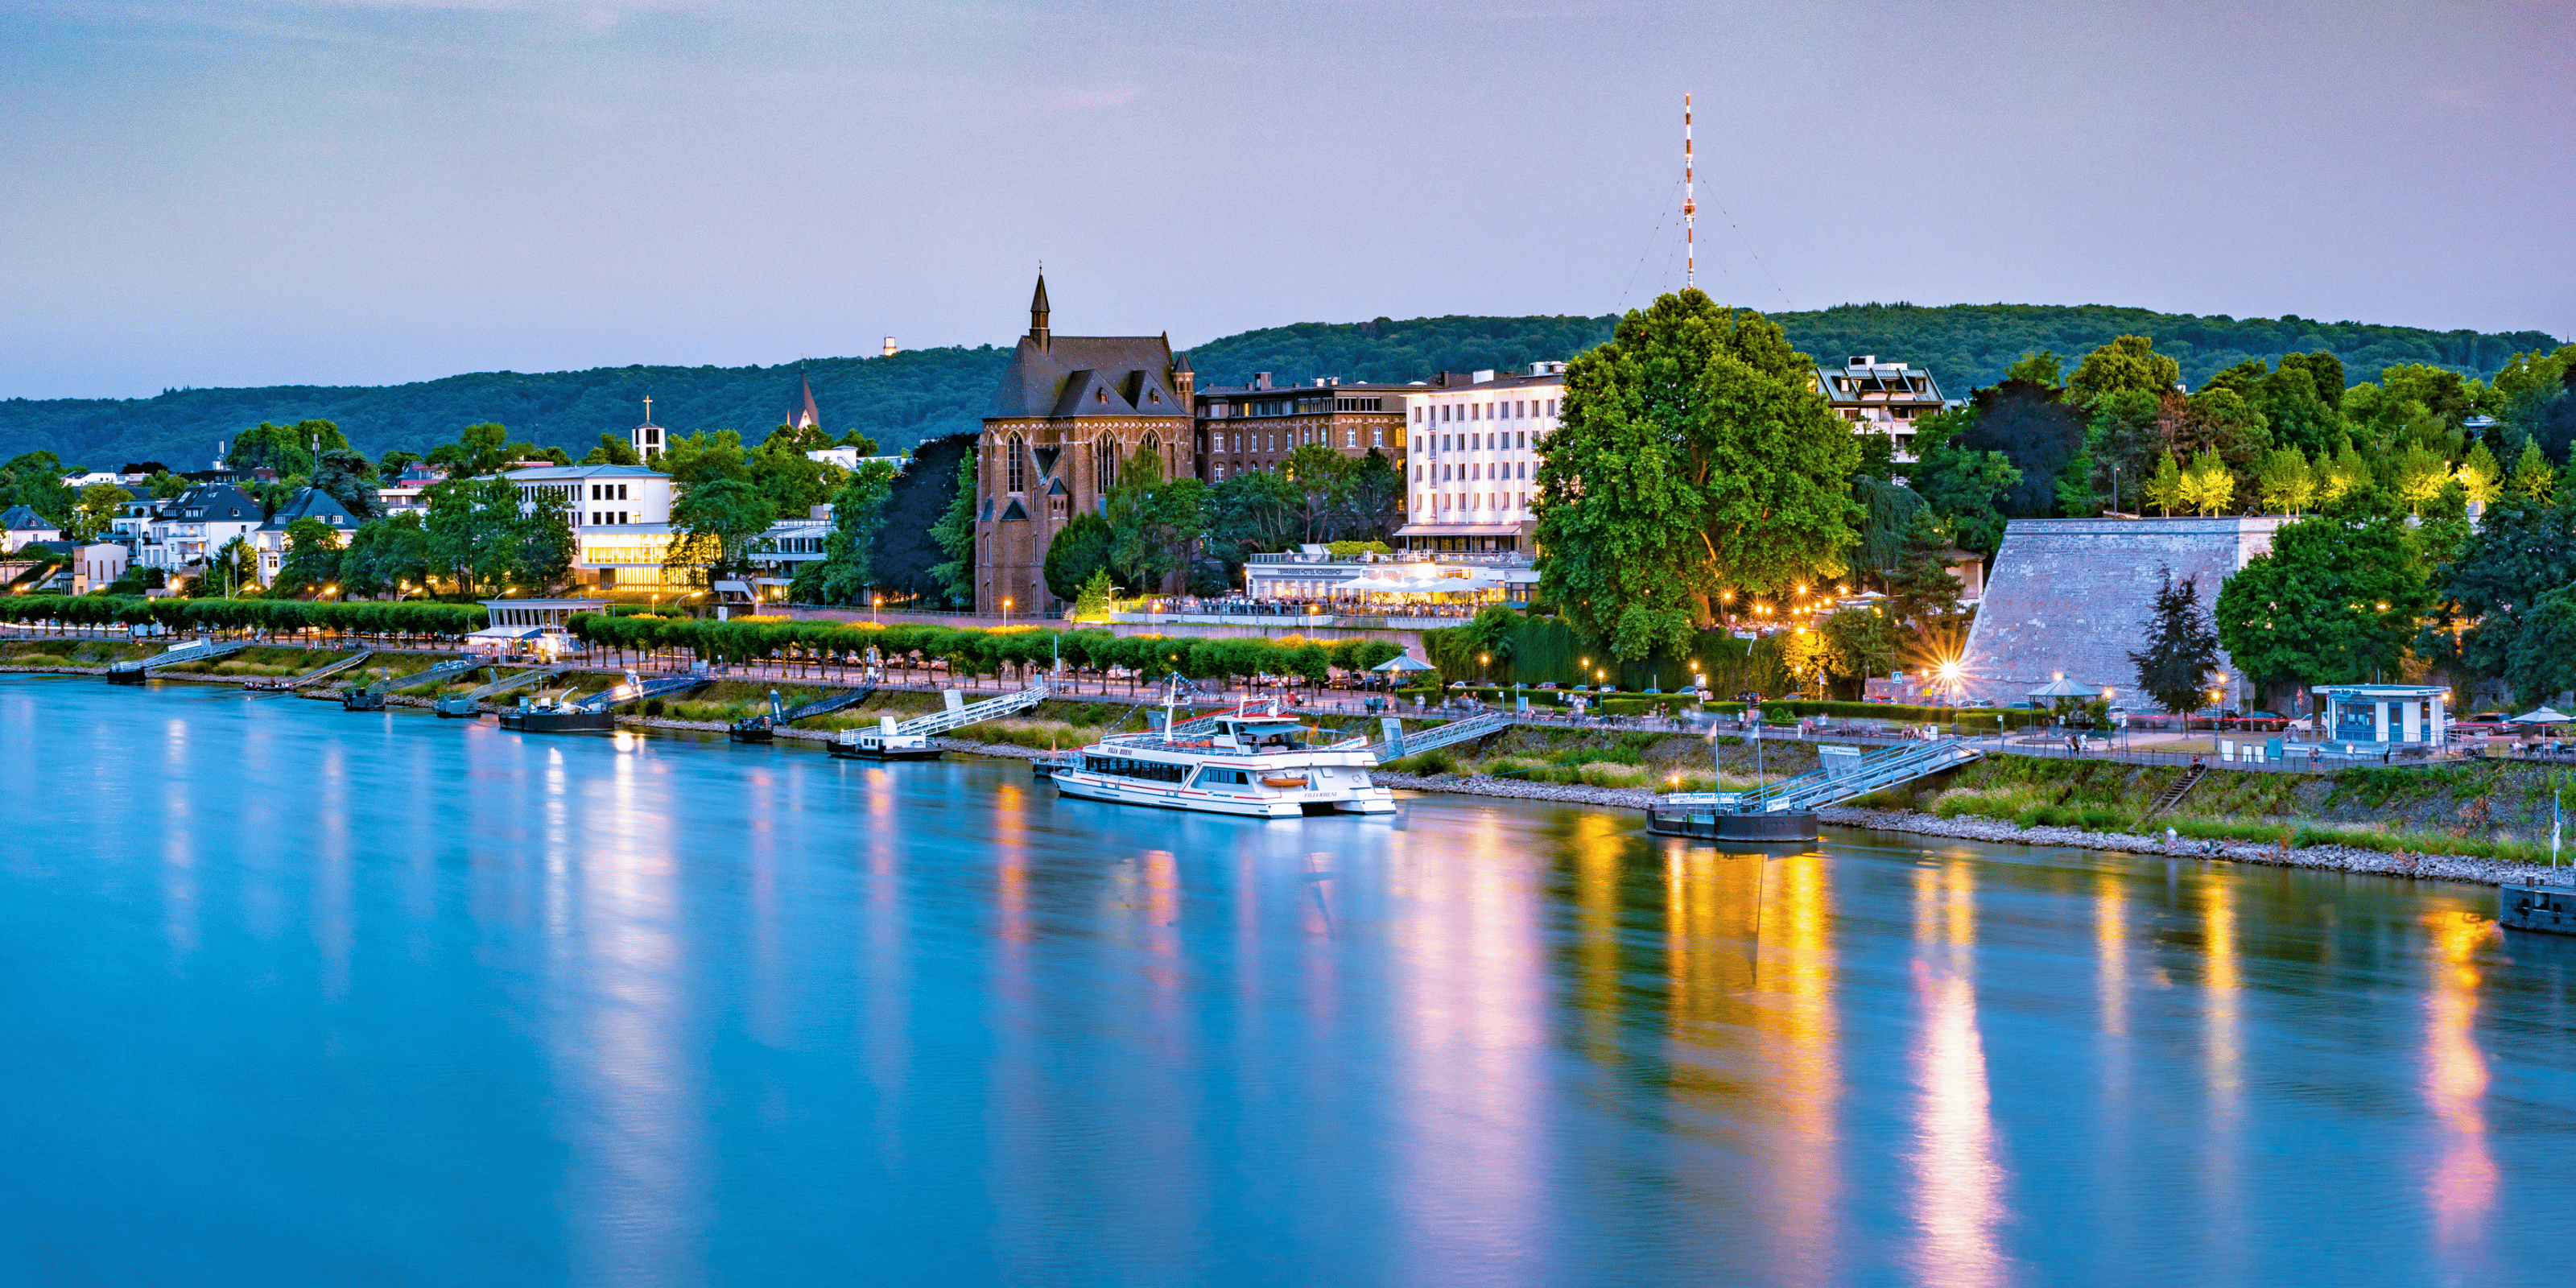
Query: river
{"points": [[300, 996]]}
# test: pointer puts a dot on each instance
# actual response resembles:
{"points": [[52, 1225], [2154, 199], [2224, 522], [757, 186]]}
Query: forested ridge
{"points": [[923, 394]]}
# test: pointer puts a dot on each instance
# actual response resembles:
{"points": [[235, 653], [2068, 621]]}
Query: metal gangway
{"points": [[638, 689], [469, 702], [939, 722], [197, 650], [1399, 744], [327, 672], [1848, 773], [759, 728], [372, 697]]}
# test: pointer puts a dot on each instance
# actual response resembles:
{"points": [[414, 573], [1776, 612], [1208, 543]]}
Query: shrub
{"points": [[654, 707]]}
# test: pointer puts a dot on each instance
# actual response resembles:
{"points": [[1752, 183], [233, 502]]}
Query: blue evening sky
{"points": [[365, 191]]}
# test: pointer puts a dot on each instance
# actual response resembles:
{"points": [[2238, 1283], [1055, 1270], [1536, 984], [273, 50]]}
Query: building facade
{"points": [[1070, 414], [1475, 440], [1881, 398], [1256, 426], [308, 503]]}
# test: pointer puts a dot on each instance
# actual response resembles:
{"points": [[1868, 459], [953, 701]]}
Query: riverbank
{"points": [[2274, 819]]}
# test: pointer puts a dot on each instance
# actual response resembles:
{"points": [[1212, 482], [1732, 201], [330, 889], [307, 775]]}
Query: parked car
{"points": [[1550, 687], [1748, 697], [2485, 722], [2257, 721]]}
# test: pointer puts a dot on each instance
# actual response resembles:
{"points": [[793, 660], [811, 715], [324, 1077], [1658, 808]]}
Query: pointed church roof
{"points": [[1038, 302], [811, 416]]}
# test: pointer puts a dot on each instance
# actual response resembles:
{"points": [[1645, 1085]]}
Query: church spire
{"points": [[1038, 312]]}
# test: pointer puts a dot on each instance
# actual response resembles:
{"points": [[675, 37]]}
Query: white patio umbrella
{"points": [[2543, 716], [2061, 687], [1404, 662]]}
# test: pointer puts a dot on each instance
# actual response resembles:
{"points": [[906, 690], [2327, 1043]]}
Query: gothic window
{"points": [[1019, 464], [1154, 445]]}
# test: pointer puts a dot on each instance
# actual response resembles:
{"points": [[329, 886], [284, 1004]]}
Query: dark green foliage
{"points": [[954, 576], [2037, 430], [1080, 549], [1882, 533], [907, 543], [449, 620], [928, 393], [351, 480], [2181, 650], [35, 480], [2335, 601]]}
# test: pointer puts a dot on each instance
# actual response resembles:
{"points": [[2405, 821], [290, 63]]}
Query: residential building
{"points": [[621, 519], [20, 525], [1881, 398], [308, 503], [87, 566], [1071, 411], [404, 494], [191, 527], [1256, 426], [1475, 442], [848, 458]]}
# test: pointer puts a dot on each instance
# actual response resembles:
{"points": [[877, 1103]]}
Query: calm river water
{"points": [[298, 996]]}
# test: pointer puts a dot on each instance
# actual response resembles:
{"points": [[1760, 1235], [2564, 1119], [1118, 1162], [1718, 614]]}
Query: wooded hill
{"points": [[902, 400]]}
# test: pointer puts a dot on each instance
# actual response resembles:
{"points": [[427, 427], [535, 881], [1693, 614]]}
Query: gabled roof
{"points": [[311, 503], [1056, 487], [214, 502], [1038, 379], [1014, 511], [20, 518]]}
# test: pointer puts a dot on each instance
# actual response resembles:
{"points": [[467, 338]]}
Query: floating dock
{"points": [[2534, 907]]}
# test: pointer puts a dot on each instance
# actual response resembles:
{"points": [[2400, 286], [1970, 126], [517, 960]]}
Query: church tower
{"points": [[646, 437]]}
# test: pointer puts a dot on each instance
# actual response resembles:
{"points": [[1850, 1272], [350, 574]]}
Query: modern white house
{"points": [[1474, 453]]}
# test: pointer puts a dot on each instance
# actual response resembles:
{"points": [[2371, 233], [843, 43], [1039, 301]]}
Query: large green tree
{"points": [[713, 525], [472, 531], [2129, 362], [312, 558], [1692, 457], [955, 533], [350, 479], [1079, 549], [388, 557], [291, 450], [2181, 651], [848, 566], [1155, 523], [2487, 595], [2336, 600]]}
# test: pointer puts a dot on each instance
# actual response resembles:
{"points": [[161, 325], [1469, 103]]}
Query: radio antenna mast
{"points": [[1690, 208]]}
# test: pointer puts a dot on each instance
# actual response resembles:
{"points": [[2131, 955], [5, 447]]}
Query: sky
{"points": [[377, 191]]}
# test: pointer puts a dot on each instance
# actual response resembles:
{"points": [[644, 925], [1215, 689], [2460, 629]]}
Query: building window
{"points": [[1019, 464], [1377, 435]]}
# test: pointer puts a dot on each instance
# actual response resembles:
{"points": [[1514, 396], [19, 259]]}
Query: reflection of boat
{"points": [[1246, 761]]}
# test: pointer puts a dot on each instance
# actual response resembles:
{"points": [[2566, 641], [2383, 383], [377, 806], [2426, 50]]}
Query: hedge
{"points": [[983, 651], [365, 618]]}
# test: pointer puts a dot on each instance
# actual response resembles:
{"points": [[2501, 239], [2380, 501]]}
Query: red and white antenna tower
{"points": [[1690, 208]]}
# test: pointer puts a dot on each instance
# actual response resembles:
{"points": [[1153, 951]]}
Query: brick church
{"points": [[1071, 411]]}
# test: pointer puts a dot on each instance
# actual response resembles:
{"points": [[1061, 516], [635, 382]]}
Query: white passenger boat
{"points": [[1252, 760]]}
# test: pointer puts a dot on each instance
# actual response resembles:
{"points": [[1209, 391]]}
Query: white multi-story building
{"points": [[1881, 398], [1474, 456], [188, 528]]}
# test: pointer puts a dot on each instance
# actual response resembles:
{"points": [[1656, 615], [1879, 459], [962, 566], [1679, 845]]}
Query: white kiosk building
{"points": [[2386, 714]]}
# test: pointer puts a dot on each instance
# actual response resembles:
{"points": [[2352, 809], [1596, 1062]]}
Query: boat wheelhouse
{"points": [[1257, 763]]}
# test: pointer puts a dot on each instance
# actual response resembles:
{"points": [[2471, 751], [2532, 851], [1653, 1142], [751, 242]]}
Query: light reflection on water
{"points": [[383, 990]]}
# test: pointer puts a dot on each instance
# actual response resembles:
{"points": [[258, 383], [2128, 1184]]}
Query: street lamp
{"points": [[875, 602], [1006, 611]]}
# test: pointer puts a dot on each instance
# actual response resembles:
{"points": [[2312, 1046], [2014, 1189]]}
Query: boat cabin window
{"points": [[1124, 767], [1216, 779], [1268, 735]]}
